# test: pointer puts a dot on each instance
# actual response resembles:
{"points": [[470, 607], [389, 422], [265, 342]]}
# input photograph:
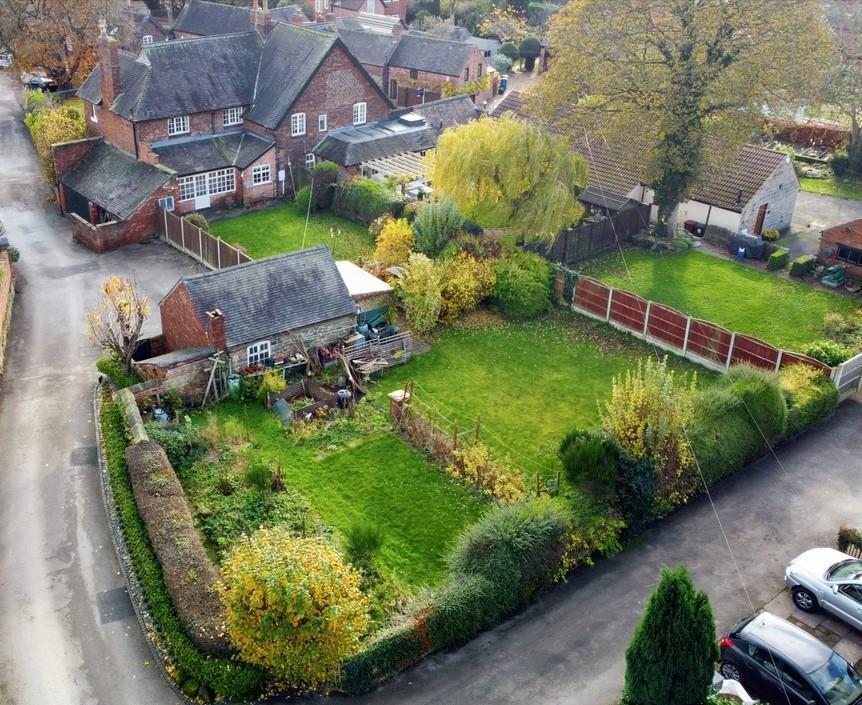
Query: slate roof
{"points": [[350, 146], [290, 58], [273, 295], [211, 18], [190, 155], [368, 47], [114, 180], [446, 112], [417, 50]]}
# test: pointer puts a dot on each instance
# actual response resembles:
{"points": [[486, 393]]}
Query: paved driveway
{"points": [[67, 634], [814, 213]]}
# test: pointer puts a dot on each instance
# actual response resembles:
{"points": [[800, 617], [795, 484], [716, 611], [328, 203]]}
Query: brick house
{"points": [[408, 62], [259, 311], [355, 8], [200, 18], [842, 244], [139, 28], [755, 192]]}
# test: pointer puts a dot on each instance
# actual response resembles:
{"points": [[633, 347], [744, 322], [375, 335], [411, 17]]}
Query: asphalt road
{"points": [[67, 634]]}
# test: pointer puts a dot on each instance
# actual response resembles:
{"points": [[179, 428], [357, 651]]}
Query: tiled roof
{"points": [[368, 47], [273, 295], [211, 18], [420, 51], [446, 112], [114, 180], [350, 146], [190, 155]]}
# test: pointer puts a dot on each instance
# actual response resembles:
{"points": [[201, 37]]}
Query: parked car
{"points": [[828, 579], [777, 661], [40, 83], [5, 60]]}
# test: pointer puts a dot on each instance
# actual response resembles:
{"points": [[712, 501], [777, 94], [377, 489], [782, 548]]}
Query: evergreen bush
{"points": [[529, 51], [810, 396], [364, 200], [760, 393], [802, 265], [778, 260], [324, 175], [590, 459], [829, 352], [435, 224], [523, 287]]}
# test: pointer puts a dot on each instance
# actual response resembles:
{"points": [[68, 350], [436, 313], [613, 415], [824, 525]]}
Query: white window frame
{"points": [[370, 7], [258, 353], [231, 116], [322, 122], [147, 39], [310, 160], [178, 125], [261, 174], [93, 116], [297, 124], [166, 202], [209, 183], [360, 113]]}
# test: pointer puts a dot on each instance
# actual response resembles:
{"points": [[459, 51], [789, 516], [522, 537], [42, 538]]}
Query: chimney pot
{"points": [[216, 331]]}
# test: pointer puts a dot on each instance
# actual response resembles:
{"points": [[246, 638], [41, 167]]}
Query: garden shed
{"points": [[373, 296]]}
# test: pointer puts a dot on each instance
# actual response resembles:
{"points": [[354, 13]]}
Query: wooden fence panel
{"points": [[792, 358], [709, 341], [628, 310], [667, 325], [592, 296], [211, 251], [754, 352]]}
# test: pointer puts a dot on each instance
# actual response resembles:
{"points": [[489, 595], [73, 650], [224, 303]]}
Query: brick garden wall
{"points": [[180, 324], [7, 296]]}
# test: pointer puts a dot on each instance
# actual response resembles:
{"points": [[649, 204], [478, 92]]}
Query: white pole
{"points": [[610, 301], [685, 340], [778, 361], [646, 318], [730, 350], [165, 220], [201, 246], [183, 232]]}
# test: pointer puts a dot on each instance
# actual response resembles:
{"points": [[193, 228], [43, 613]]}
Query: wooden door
{"points": [[761, 214]]}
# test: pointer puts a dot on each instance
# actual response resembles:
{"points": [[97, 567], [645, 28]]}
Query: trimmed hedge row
{"points": [[802, 265], [223, 675], [778, 260]]}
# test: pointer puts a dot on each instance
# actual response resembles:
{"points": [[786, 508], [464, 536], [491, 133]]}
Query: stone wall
{"points": [[7, 296], [188, 379], [779, 192]]}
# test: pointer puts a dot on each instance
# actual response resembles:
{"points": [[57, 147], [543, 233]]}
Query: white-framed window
{"points": [[322, 123], [369, 6], [297, 124], [309, 160], [147, 39], [359, 111], [178, 125], [259, 353], [231, 116], [207, 184], [93, 116], [261, 174], [166, 202]]}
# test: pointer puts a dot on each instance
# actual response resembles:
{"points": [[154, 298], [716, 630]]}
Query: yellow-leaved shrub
{"points": [[467, 281], [395, 242], [474, 465], [292, 606]]}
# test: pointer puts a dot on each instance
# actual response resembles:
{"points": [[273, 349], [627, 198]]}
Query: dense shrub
{"points": [[848, 537], [671, 656], [292, 606], [182, 443], [37, 100], [435, 224], [362, 544], [828, 352], [509, 50], [189, 574], [635, 492], [50, 126], [364, 200], [844, 328], [303, 199], [517, 548], [475, 465], [419, 289], [760, 393], [802, 265], [112, 367], [471, 227], [271, 382], [810, 396], [647, 415], [590, 458], [523, 286], [225, 676], [323, 178], [770, 235], [466, 282], [395, 242], [778, 260], [502, 64], [383, 656], [529, 51], [461, 609], [198, 220]]}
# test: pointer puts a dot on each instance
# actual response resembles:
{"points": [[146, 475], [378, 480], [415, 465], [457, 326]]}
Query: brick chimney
{"points": [[216, 331], [109, 60]]}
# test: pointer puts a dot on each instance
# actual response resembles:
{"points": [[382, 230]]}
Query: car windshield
{"points": [[845, 570], [837, 681]]}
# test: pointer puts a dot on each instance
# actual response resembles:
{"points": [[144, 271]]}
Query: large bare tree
{"points": [[681, 83], [115, 323]]}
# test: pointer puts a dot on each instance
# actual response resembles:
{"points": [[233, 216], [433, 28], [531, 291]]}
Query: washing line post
{"points": [[478, 428]]}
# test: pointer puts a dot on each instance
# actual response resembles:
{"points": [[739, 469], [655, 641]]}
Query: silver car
{"points": [[828, 579]]}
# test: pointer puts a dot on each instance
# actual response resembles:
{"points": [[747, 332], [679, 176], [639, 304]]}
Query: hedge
{"points": [[223, 675], [849, 538], [364, 200], [810, 396], [802, 265], [778, 260]]}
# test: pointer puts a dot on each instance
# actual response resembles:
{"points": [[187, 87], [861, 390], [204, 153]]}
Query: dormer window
{"points": [[231, 116], [359, 113], [147, 39], [178, 125]]}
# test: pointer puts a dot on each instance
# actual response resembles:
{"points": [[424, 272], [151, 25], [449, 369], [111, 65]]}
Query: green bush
{"points": [[802, 265], [523, 287], [461, 609], [182, 443], [303, 199], [259, 477], [227, 676], [112, 368], [509, 50], [760, 393], [849, 537], [323, 178], [364, 200], [502, 64], [385, 655], [435, 224], [770, 235], [635, 492], [828, 352], [539, 12], [198, 220], [589, 458], [778, 260], [518, 548], [529, 51], [810, 396], [362, 544]]}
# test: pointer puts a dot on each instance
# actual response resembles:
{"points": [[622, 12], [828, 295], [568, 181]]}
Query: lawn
{"points": [[280, 229], [529, 383], [353, 471], [833, 186], [780, 311]]}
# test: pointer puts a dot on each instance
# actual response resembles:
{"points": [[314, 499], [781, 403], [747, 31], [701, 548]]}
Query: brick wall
{"points": [[252, 194], [115, 129], [67, 154], [407, 85], [180, 324], [205, 123], [849, 234], [7, 296]]}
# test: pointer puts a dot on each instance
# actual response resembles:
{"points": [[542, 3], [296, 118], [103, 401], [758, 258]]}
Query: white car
{"points": [[827, 579]]}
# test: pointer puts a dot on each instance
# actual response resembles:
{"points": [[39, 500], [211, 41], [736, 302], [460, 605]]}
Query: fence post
{"points": [[610, 301], [835, 376], [685, 340], [778, 361], [730, 350], [201, 245], [165, 220], [218, 252], [646, 318], [183, 232]]}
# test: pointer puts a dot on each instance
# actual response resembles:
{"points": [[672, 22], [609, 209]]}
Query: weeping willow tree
{"points": [[507, 173]]}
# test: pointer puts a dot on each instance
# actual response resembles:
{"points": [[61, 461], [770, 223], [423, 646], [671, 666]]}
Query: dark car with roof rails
{"points": [[784, 665]]}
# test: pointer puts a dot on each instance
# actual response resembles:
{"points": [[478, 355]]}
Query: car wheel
{"points": [[730, 671], [804, 600]]}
